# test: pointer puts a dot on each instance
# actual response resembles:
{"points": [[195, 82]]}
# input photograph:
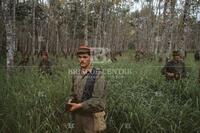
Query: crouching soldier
{"points": [[88, 100], [45, 64], [175, 68]]}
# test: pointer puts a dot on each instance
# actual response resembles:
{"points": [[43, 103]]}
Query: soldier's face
{"points": [[44, 57], [177, 58], [84, 60]]}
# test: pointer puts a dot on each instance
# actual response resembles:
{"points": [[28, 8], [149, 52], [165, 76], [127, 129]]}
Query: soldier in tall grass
{"points": [[175, 68], [45, 65], [87, 100]]}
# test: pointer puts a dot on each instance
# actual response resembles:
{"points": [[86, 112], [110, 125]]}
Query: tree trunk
{"points": [[86, 23], [183, 31], [172, 24], [57, 39], [157, 38], [8, 6], [33, 32], [165, 14]]}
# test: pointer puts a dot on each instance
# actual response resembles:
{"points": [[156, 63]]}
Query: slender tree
{"points": [[9, 17], [86, 21], [33, 30]]}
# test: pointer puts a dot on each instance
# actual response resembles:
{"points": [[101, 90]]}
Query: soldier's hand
{"points": [[74, 106], [170, 74], [69, 101]]}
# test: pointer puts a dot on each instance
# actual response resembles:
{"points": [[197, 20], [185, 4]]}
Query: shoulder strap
{"points": [[89, 85]]}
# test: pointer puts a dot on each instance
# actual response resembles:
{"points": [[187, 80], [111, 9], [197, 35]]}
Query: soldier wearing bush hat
{"points": [[176, 53], [88, 99], [84, 49], [175, 68]]}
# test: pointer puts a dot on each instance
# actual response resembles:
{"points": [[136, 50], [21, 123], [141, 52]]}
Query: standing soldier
{"points": [[24, 61], [45, 64], [88, 100], [174, 69]]}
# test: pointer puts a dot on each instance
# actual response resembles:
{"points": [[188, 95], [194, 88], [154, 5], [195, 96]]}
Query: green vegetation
{"points": [[141, 101]]}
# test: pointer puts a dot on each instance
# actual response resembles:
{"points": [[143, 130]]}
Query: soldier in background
{"points": [[175, 68], [139, 54], [45, 64], [24, 61]]}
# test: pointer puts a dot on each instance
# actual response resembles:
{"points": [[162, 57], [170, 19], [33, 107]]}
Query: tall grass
{"points": [[141, 101]]}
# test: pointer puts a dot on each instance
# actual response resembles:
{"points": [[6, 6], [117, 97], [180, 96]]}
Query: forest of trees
{"points": [[139, 35], [60, 26]]}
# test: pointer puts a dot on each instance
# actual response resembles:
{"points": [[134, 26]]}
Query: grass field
{"points": [[138, 102]]}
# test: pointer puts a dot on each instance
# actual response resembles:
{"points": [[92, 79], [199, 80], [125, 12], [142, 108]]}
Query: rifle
{"points": [[68, 106]]}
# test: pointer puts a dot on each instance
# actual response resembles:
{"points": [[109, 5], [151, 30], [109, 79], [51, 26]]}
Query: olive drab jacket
{"points": [[175, 67], [45, 67], [93, 100]]}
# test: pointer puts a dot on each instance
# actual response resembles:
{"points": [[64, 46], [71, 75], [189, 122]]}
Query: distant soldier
{"points": [[24, 62], [174, 69], [87, 100], [45, 64], [113, 56], [139, 55]]}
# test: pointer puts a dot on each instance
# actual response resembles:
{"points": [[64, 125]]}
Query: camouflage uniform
{"points": [[45, 67], [86, 116], [175, 67]]}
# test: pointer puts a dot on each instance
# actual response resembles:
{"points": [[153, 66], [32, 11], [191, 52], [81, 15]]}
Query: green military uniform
{"points": [[45, 67], [92, 113], [175, 67]]}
